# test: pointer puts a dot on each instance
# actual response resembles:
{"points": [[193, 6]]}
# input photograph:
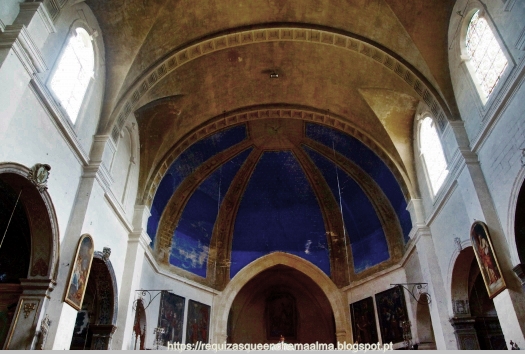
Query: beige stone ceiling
{"points": [[358, 89]]}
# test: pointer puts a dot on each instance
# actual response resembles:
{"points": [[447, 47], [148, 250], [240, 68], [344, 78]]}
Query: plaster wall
{"points": [[32, 137], [153, 280], [102, 223], [509, 28], [88, 117], [450, 222], [500, 159]]}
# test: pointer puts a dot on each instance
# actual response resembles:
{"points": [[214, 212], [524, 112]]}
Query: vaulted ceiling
{"points": [[191, 69]]}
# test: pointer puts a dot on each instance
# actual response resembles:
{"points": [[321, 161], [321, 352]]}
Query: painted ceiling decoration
{"points": [[278, 185]]}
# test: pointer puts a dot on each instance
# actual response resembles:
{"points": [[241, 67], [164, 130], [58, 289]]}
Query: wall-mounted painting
{"points": [[171, 317], [197, 325], [364, 327], [487, 261], [81, 266], [392, 311], [280, 316]]}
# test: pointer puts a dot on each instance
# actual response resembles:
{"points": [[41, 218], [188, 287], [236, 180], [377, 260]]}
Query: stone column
{"points": [[30, 312], [137, 244], [443, 332]]}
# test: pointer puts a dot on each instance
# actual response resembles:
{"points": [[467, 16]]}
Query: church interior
{"points": [[185, 171]]}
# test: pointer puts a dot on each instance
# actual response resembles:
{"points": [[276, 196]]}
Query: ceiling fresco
{"points": [[276, 125], [279, 206]]}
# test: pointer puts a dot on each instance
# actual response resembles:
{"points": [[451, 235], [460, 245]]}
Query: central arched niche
{"points": [[306, 308]]}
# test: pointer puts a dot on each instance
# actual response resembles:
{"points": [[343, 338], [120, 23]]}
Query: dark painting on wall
{"points": [[364, 327], [171, 317], [392, 311], [487, 261], [280, 313], [197, 325]]}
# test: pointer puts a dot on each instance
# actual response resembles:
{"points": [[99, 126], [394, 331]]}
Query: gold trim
{"points": [[66, 299], [474, 246]]}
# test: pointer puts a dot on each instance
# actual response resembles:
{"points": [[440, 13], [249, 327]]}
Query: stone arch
{"points": [[101, 301], [43, 222], [139, 325], [271, 111], [223, 302], [517, 194], [469, 322], [318, 35], [33, 291]]}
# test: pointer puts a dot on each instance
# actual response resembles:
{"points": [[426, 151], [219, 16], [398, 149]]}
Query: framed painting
{"points": [[280, 316], [364, 326], [198, 321], [392, 311], [487, 261], [171, 317], [78, 278]]}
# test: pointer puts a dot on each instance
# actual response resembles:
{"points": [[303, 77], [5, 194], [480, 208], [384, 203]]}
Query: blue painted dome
{"points": [[279, 185]]}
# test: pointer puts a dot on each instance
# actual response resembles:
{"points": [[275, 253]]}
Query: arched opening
{"points": [[425, 331], [139, 326], [95, 322], [28, 253], [475, 321], [281, 301], [15, 254], [519, 224]]}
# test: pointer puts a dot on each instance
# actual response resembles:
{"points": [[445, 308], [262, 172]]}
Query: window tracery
{"points": [[487, 60]]}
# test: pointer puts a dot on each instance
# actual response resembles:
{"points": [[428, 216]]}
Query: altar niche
{"points": [[28, 254], [96, 320], [476, 324]]}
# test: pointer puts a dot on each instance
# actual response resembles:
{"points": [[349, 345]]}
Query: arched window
{"points": [[487, 60], [432, 154], [73, 72]]}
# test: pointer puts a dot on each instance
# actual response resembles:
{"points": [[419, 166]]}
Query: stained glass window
{"points": [[486, 57], [73, 73], [432, 152]]}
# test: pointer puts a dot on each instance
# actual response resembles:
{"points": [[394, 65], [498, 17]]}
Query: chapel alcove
{"points": [[476, 324], [95, 322], [15, 254], [519, 224], [281, 299]]}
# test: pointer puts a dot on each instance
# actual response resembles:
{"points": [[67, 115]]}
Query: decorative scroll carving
{"points": [[39, 175], [40, 268]]}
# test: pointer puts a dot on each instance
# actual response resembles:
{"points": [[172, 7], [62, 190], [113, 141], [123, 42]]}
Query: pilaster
{"points": [[443, 331], [137, 243], [30, 312], [510, 304]]}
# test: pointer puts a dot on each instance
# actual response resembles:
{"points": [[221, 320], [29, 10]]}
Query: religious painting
{"points": [[80, 269], [364, 327], [280, 316], [392, 312], [197, 325], [171, 317], [487, 261]]}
